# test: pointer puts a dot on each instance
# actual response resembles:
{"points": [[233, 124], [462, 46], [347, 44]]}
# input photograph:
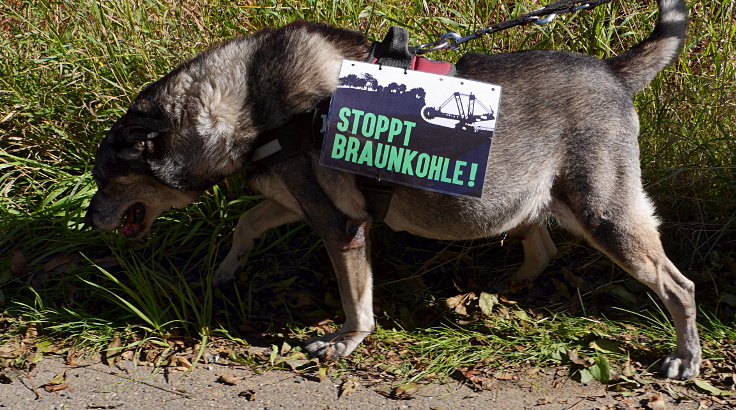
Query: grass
{"points": [[69, 69]]}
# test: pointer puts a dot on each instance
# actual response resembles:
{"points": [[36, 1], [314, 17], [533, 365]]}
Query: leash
{"points": [[540, 16]]}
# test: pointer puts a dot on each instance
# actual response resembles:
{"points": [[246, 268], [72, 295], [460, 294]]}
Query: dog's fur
{"points": [[565, 146]]}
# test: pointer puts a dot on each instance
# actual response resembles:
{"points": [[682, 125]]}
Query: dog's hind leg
{"points": [[622, 226], [538, 252], [251, 225]]}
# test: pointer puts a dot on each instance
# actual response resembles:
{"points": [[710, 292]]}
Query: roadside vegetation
{"points": [[69, 69]]}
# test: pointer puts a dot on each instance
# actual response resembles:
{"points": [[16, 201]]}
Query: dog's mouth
{"points": [[135, 217]]}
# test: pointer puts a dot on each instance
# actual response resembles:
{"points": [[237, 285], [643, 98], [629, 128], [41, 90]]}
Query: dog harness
{"points": [[307, 130]]}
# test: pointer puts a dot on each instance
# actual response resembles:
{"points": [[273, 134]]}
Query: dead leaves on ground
{"points": [[485, 378], [488, 305], [249, 394], [113, 350], [228, 379], [405, 391], [22, 349], [348, 387], [58, 383]]}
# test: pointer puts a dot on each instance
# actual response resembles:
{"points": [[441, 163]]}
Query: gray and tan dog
{"points": [[565, 146]]}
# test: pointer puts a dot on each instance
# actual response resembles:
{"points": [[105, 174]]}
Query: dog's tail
{"points": [[638, 66]]}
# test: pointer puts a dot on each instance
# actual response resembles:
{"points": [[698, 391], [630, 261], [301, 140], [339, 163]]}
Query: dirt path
{"points": [[96, 385]]}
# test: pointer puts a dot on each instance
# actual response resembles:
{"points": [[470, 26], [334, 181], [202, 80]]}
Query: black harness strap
{"points": [[290, 139], [394, 50]]}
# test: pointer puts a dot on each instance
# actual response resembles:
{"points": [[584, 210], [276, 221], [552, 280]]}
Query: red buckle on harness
{"points": [[427, 65]]}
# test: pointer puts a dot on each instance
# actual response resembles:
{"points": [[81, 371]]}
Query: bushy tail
{"points": [[638, 66]]}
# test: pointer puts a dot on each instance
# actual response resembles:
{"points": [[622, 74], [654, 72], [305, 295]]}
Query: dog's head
{"points": [[137, 177], [181, 135], [199, 123]]}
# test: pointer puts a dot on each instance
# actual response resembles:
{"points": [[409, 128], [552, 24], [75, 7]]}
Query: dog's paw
{"points": [[681, 368], [332, 347], [223, 275]]}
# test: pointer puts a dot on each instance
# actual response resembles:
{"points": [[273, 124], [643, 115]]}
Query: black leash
{"points": [[453, 40]]}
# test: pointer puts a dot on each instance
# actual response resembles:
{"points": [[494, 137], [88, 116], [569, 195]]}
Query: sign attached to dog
{"points": [[413, 128]]}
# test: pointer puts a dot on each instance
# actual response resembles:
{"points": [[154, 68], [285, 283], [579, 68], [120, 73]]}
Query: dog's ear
{"points": [[135, 140]]}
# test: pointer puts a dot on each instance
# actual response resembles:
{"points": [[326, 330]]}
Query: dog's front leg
{"points": [[251, 225], [349, 253], [347, 243]]}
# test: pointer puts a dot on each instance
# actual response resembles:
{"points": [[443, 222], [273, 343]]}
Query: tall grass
{"points": [[68, 70]]}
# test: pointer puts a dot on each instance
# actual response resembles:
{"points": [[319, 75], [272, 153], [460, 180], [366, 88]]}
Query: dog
{"points": [[565, 147]]}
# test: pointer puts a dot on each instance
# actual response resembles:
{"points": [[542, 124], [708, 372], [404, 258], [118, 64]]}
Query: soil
{"points": [[92, 384]]}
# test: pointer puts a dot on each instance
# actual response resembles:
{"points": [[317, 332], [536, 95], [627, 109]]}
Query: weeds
{"points": [[69, 69]]}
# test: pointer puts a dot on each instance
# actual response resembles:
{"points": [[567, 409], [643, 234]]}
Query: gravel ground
{"points": [[96, 385]]}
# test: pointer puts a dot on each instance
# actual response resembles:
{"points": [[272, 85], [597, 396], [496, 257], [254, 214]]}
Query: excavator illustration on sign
{"points": [[465, 116]]}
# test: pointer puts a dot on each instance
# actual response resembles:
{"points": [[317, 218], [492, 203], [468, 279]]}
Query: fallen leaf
{"points": [[504, 376], [103, 406], [113, 350], [34, 358], [486, 303], [55, 387], [183, 362], [544, 401], [522, 315], [478, 378], [46, 346], [71, 358], [31, 332], [18, 263], [4, 379], [656, 402], [299, 364], [60, 378], [458, 302], [577, 359], [507, 301], [323, 371], [709, 388], [585, 376], [228, 379], [348, 387], [628, 369], [285, 349], [249, 395], [405, 391], [274, 354]]}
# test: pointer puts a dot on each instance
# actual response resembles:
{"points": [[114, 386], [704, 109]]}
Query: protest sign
{"points": [[412, 128]]}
